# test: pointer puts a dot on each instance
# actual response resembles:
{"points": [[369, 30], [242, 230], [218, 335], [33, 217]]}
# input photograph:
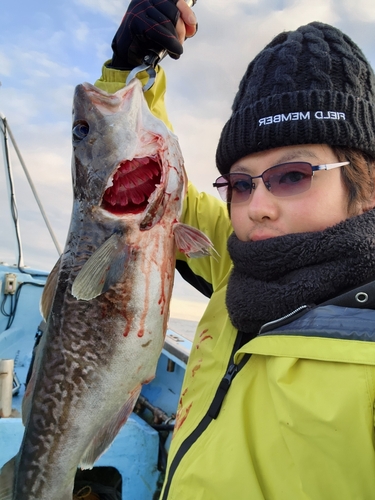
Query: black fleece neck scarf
{"points": [[273, 277]]}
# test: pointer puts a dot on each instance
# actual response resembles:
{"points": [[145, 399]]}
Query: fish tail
{"points": [[7, 480]]}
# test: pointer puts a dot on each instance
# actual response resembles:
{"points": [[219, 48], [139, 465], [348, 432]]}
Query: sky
{"points": [[47, 48]]}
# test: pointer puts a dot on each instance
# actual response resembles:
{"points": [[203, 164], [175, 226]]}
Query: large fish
{"points": [[107, 299]]}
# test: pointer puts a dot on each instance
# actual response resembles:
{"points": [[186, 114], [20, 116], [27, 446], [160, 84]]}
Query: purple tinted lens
{"points": [[239, 187], [234, 188], [222, 186], [288, 179]]}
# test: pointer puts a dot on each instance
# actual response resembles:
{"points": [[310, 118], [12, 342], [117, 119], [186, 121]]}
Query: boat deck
{"points": [[136, 451]]}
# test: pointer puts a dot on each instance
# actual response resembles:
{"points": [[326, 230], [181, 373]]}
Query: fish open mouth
{"points": [[132, 184]]}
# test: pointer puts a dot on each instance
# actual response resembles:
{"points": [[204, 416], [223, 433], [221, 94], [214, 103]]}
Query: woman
{"points": [[278, 396]]}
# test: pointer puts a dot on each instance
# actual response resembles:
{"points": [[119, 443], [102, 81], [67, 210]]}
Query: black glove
{"points": [[148, 25]]}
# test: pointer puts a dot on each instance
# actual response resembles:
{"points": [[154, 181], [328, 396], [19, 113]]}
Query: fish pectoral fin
{"points": [[108, 432], [193, 242], [48, 295], [7, 480], [102, 270]]}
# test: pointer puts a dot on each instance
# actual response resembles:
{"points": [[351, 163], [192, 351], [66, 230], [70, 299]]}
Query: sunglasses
{"points": [[285, 179]]}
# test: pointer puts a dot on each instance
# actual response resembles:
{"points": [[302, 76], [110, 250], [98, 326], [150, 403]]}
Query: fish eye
{"points": [[80, 130]]}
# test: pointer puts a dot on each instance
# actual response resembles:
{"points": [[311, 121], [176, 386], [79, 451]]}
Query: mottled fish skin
{"points": [[97, 352]]}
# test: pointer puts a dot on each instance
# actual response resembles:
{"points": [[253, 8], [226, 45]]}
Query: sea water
{"points": [[184, 327]]}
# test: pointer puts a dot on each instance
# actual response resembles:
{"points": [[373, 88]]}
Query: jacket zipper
{"points": [[212, 413], [272, 324]]}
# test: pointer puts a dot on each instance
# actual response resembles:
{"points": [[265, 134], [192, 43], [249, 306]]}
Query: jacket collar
{"points": [[361, 297]]}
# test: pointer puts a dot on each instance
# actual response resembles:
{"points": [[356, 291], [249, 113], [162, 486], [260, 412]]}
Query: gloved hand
{"points": [[147, 25]]}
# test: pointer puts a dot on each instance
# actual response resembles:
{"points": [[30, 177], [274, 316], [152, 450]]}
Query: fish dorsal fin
{"points": [[102, 270], [192, 242], [108, 432], [49, 291]]}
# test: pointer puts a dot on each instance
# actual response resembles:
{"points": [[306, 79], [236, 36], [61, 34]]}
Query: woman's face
{"points": [[265, 215]]}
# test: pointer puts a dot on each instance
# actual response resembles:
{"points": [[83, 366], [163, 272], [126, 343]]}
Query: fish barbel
{"points": [[106, 302]]}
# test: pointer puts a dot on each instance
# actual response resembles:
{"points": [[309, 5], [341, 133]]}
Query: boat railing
{"points": [[7, 137]]}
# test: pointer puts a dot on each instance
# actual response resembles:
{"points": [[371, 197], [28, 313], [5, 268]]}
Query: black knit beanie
{"points": [[309, 86]]}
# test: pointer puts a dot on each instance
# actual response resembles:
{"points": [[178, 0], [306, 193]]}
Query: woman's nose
{"points": [[262, 204]]}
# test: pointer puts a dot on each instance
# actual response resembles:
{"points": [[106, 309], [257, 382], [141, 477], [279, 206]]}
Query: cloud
{"points": [[115, 9], [81, 31], [49, 47], [198, 147], [360, 10], [5, 64]]}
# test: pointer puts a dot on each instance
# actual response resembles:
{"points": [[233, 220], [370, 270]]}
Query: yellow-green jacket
{"points": [[297, 422]]}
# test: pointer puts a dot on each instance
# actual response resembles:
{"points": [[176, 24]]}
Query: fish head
{"points": [[125, 160]]}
